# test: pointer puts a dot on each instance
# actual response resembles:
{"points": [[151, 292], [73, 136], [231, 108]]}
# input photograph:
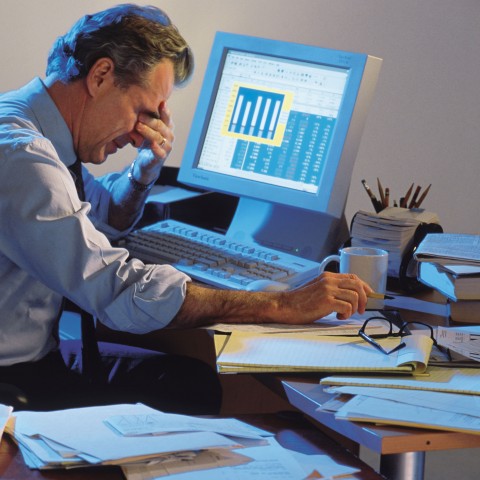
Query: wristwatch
{"points": [[139, 187]]}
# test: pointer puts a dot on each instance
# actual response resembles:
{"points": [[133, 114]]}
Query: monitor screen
{"points": [[279, 122], [278, 125]]}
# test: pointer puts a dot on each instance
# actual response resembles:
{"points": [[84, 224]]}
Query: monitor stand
{"points": [[304, 233]]}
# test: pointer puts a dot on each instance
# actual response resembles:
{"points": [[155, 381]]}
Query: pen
{"points": [[376, 204], [380, 296], [413, 201], [422, 196]]}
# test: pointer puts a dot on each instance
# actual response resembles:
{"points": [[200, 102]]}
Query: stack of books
{"points": [[393, 229], [450, 263]]}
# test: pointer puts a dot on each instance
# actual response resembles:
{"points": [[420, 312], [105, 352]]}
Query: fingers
{"points": [[344, 294], [347, 293], [157, 132], [350, 284]]}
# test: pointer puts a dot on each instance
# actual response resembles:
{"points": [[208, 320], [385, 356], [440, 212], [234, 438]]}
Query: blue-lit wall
{"points": [[424, 121]]}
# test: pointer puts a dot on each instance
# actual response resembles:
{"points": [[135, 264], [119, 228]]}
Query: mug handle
{"points": [[327, 260]]}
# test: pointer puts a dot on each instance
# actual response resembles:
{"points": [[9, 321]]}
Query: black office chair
{"points": [[14, 396]]}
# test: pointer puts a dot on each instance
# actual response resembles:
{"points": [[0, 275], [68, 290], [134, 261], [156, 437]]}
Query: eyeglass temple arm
{"points": [[373, 343]]}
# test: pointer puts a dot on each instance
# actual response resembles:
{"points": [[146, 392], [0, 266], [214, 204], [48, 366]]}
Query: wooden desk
{"points": [[294, 433], [402, 450]]}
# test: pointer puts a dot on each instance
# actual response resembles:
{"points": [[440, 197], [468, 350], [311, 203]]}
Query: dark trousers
{"points": [[170, 383]]}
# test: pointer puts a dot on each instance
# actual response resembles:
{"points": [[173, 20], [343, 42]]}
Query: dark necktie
{"points": [[76, 171], [91, 359]]}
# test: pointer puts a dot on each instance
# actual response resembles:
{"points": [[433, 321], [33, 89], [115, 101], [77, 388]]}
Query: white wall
{"points": [[424, 123]]}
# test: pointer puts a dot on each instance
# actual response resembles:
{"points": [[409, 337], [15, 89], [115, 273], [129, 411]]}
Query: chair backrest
{"points": [[13, 396], [91, 359], [92, 369]]}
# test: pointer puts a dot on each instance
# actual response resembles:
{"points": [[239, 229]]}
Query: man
{"points": [[107, 85]]}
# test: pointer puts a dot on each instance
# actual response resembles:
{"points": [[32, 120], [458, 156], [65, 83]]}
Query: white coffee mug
{"points": [[370, 264]]}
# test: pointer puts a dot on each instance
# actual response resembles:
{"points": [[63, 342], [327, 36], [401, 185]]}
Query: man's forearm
{"points": [[344, 294], [204, 306], [125, 203]]}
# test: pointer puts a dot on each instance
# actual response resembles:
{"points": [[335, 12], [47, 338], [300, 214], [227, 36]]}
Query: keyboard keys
{"points": [[213, 258]]}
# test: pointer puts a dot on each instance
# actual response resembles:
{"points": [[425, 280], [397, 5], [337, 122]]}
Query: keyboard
{"points": [[217, 260]]}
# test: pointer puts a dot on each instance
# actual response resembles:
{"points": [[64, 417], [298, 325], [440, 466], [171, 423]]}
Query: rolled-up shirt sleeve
{"points": [[47, 231]]}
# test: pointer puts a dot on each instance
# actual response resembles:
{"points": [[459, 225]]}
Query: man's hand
{"points": [[344, 294], [158, 142], [156, 138]]}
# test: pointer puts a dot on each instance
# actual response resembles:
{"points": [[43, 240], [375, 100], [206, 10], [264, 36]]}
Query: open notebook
{"points": [[247, 352]]}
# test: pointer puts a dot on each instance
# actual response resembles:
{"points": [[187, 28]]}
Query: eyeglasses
{"points": [[370, 328]]}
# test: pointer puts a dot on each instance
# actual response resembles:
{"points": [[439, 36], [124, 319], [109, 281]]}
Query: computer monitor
{"points": [[278, 124]]}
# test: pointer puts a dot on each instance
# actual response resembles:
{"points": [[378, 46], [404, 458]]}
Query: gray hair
{"points": [[135, 38]]}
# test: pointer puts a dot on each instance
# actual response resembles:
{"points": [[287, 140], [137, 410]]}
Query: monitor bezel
{"points": [[332, 185]]}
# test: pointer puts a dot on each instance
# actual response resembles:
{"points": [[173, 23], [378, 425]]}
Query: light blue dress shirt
{"points": [[53, 245]]}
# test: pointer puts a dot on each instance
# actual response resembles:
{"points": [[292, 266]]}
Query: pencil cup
{"points": [[370, 264]]}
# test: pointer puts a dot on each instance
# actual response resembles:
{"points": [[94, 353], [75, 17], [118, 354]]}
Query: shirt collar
{"points": [[50, 121]]}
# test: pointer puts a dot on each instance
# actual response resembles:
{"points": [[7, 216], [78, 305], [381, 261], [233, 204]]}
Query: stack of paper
{"points": [[450, 249], [444, 399], [89, 436], [149, 444], [392, 229]]}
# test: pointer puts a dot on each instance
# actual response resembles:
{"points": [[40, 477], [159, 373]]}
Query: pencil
{"points": [[413, 201], [422, 196], [407, 196], [380, 296], [375, 202], [386, 199], [380, 191]]}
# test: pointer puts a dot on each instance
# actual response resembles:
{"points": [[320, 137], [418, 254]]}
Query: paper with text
{"points": [[160, 423]]}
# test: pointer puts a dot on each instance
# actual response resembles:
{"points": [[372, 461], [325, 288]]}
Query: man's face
{"points": [[109, 119]]}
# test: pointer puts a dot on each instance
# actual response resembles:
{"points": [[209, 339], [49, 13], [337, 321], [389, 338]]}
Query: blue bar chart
{"points": [[256, 113]]}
